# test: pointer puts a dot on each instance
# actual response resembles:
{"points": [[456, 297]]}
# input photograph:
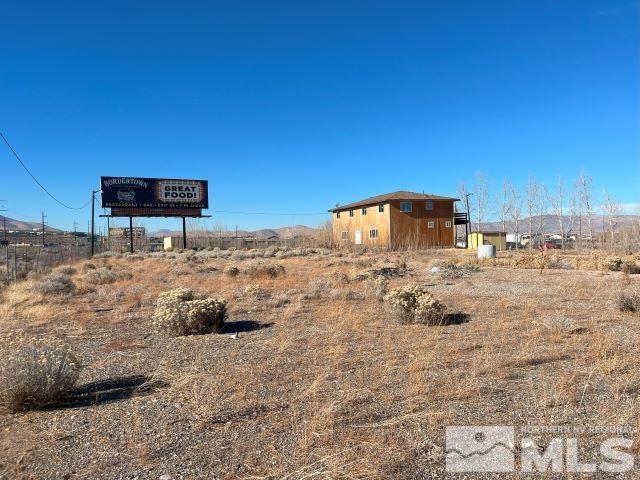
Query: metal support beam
{"points": [[130, 234], [184, 232]]}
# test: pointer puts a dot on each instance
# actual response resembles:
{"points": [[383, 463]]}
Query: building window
{"points": [[351, 213], [373, 233], [447, 224], [364, 210], [344, 235], [428, 205], [337, 214], [406, 207], [431, 224], [381, 208]]}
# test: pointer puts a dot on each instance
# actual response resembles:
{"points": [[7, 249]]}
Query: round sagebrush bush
{"points": [[36, 374], [178, 313], [231, 271], [628, 302], [105, 276], [378, 286], [54, 283], [66, 270], [268, 270], [414, 304], [87, 266]]}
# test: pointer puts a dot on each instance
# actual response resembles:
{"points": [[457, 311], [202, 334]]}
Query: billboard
{"points": [[162, 193]]}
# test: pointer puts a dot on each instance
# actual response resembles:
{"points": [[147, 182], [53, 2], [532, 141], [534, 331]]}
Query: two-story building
{"points": [[396, 220]]}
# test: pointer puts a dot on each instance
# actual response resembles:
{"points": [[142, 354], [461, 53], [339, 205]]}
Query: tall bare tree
{"points": [[533, 202], [504, 204], [481, 193], [557, 203], [515, 211], [612, 209], [584, 187]]}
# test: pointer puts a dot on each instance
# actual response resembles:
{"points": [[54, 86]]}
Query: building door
{"points": [[358, 237]]}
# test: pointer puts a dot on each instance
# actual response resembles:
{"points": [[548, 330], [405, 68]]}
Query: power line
{"points": [[15, 154], [267, 213]]}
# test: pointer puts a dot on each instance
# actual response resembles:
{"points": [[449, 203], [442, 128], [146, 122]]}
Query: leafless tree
{"points": [[504, 204], [533, 202], [584, 187], [515, 210], [612, 209], [557, 203], [481, 193]]}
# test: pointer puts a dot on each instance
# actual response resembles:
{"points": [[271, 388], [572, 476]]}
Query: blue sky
{"points": [[294, 106]]}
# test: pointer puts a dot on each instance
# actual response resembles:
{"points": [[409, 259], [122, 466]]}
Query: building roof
{"points": [[399, 195]]}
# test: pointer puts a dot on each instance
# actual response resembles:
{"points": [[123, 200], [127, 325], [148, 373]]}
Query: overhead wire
{"points": [[15, 154]]}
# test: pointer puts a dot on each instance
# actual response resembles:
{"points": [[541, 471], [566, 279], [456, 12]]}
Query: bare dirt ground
{"points": [[311, 378]]}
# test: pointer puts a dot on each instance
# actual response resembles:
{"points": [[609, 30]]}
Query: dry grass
{"points": [[315, 384]]}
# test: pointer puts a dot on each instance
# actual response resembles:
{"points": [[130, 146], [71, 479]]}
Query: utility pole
{"points": [[4, 222], [43, 243], [466, 227], [93, 222]]}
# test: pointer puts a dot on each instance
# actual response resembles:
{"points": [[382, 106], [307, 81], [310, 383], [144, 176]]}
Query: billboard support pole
{"points": [[93, 238], [130, 234], [184, 233]]}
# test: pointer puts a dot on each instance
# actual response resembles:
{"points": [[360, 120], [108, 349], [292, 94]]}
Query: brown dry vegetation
{"points": [[310, 378]]}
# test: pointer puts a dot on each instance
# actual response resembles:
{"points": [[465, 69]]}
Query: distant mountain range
{"points": [[14, 225], [277, 233], [551, 224]]}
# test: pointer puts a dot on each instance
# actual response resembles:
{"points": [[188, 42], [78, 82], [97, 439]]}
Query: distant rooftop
{"points": [[387, 197]]}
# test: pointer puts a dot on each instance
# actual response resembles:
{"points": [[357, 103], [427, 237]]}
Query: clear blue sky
{"points": [[292, 106]]}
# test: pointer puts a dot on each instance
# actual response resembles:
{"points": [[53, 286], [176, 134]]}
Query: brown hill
{"points": [[19, 225], [279, 233]]}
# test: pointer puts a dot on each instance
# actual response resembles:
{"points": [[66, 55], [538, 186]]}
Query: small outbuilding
{"points": [[497, 239]]}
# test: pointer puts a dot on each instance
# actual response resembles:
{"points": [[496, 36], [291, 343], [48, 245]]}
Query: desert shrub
{"points": [[66, 270], [317, 288], [378, 287], [54, 283], [178, 313], [628, 302], [353, 295], [630, 267], [279, 301], [231, 271], [414, 304], [105, 276], [445, 269], [562, 324], [269, 270], [107, 254], [33, 375], [87, 266], [612, 263], [238, 255], [557, 263], [469, 267], [340, 277], [253, 291]]}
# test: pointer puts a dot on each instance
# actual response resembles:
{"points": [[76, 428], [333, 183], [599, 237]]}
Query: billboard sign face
{"points": [[164, 193]]}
